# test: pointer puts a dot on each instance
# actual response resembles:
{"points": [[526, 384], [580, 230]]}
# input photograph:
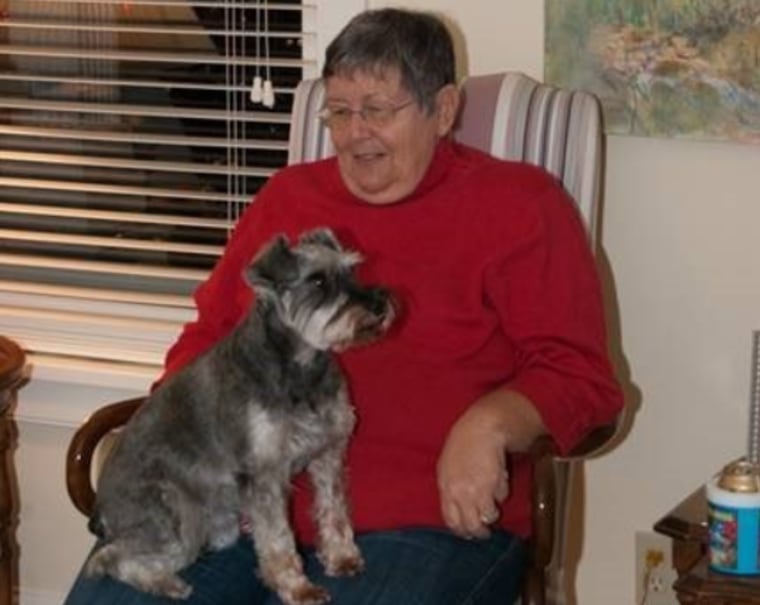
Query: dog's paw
{"points": [[342, 564], [349, 566], [305, 593], [172, 587]]}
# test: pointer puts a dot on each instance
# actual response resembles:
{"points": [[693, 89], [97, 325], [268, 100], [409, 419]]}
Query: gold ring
{"points": [[489, 519]]}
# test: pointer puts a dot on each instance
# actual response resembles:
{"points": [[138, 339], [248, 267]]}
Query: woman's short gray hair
{"points": [[416, 43]]}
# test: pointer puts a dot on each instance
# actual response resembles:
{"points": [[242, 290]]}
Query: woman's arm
{"points": [[546, 292]]}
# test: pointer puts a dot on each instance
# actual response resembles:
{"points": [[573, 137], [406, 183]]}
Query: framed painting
{"points": [[670, 68]]}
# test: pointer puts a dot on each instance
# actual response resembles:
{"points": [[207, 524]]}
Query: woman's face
{"points": [[381, 164]]}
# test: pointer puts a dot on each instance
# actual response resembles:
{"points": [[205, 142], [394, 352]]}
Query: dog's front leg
{"points": [[280, 567], [336, 548]]}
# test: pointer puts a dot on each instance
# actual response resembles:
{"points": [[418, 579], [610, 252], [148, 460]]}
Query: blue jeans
{"points": [[403, 567]]}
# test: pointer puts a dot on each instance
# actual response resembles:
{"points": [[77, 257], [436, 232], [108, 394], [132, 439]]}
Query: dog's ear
{"points": [[274, 265], [323, 236]]}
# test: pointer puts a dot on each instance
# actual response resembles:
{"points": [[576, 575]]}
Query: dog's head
{"points": [[315, 293]]}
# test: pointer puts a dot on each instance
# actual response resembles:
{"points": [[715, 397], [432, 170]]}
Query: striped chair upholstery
{"points": [[514, 117], [309, 139]]}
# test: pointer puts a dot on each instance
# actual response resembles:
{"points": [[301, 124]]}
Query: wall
{"points": [[678, 237]]}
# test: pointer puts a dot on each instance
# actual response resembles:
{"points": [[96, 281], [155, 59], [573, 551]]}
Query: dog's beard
{"points": [[363, 325], [339, 325], [320, 327]]}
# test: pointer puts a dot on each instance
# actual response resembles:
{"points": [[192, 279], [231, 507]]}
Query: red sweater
{"points": [[498, 287]]}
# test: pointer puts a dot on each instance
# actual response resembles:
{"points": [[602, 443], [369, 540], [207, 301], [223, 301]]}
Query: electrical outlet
{"points": [[654, 570]]}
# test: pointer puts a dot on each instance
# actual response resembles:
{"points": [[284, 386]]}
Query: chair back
{"points": [[512, 116], [309, 139]]}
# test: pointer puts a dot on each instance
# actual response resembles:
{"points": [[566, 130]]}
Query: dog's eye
{"points": [[317, 280]]}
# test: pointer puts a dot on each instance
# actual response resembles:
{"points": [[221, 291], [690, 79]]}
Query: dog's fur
{"points": [[223, 437]]}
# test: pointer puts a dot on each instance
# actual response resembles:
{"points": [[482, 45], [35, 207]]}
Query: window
{"points": [[129, 143]]}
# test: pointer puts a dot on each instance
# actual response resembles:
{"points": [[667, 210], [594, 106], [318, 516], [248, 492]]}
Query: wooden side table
{"points": [[12, 362], [696, 583]]}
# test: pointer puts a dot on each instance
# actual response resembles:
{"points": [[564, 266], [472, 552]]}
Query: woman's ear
{"points": [[447, 106]]}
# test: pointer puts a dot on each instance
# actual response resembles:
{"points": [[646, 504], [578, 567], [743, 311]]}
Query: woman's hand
{"points": [[472, 469]]}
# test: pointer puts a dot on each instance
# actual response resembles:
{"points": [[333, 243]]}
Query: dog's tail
{"points": [[153, 574], [103, 561]]}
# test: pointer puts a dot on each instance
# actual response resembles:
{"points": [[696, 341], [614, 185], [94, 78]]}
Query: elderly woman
{"points": [[501, 340]]}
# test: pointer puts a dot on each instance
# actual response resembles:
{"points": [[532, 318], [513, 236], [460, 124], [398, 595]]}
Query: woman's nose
{"points": [[358, 127]]}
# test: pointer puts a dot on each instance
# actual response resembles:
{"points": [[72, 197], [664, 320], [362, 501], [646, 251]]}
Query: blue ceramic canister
{"points": [[733, 498]]}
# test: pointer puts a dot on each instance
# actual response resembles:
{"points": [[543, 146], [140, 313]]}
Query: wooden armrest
{"points": [[544, 454], [591, 444], [12, 365], [83, 445]]}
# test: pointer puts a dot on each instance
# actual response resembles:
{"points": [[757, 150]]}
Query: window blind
{"points": [[130, 140]]}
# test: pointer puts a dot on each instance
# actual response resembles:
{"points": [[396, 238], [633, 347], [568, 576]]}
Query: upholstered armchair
{"points": [[510, 116]]}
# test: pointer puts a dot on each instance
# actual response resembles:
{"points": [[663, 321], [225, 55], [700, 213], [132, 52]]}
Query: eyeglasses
{"points": [[374, 116]]}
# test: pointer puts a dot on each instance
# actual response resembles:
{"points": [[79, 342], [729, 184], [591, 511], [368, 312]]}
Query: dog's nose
{"points": [[378, 301]]}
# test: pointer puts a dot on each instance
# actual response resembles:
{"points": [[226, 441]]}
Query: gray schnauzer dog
{"points": [[222, 438]]}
